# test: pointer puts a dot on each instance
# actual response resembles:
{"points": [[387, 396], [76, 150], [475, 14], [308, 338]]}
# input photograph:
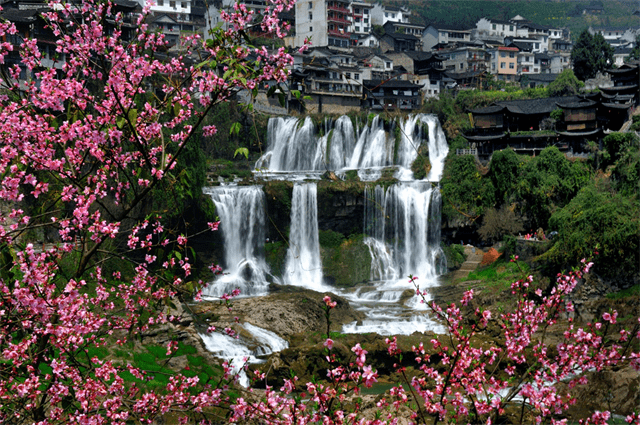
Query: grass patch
{"points": [[500, 274], [634, 291]]}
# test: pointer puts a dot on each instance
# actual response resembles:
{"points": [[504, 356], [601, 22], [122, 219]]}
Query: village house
{"points": [[424, 69], [392, 94], [466, 59], [437, 36], [504, 63]]}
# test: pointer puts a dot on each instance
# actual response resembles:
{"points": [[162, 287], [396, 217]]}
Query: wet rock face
{"points": [[340, 211], [615, 390]]}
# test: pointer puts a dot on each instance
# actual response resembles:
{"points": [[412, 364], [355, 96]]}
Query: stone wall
{"points": [[332, 104]]}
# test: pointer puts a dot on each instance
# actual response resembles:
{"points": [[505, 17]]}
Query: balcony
{"points": [[338, 8], [340, 19], [339, 33]]}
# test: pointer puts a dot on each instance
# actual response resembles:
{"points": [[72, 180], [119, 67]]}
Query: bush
{"points": [[499, 223]]}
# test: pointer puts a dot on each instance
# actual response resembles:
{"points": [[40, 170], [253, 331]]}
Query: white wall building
{"points": [[383, 14], [495, 29], [362, 18]]}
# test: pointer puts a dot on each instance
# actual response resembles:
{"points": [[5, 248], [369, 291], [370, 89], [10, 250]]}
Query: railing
{"points": [[339, 33], [473, 152], [338, 9], [337, 19]]}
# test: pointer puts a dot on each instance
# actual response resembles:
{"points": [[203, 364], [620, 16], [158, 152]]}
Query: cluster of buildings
{"points": [[364, 54], [374, 56]]}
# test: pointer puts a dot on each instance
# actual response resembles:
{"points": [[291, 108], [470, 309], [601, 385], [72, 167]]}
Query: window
{"points": [[371, 43], [184, 5], [366, 11], [387, 64], [310, 5], [347, 75], [493, 26], [366, 20], [511, 66], [310, 29], [356, 10], [510, 27], [160, 2], [357, 29], [393, 16], [503, 54], [358, 20], [512, 54], [502, 66], [356, 76], [386, 14], [310, 16], [493, 66], [461, 66], [172, 4]]}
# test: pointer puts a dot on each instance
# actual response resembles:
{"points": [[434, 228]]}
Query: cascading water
{"points": [[401, 224], [304, 267], [242, 222]]}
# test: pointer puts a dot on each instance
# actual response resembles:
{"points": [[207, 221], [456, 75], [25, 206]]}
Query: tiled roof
{"points": [[391, 84], [21, 16]]}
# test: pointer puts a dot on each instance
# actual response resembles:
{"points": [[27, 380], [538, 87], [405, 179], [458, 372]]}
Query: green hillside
{"points": [[552, 13]]}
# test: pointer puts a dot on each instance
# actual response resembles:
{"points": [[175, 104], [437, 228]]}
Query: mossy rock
{"points": [[421, 165], [346, 264]]}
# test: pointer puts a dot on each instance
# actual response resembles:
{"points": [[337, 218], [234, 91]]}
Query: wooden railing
{"points": [[467, 152]]}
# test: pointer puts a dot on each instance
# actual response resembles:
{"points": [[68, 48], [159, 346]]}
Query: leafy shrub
{"points": [[598, 220]]}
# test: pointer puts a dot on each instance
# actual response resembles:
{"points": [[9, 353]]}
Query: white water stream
{"points": [[240, 351]]}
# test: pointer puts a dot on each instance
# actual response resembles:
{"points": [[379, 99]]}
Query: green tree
{"points": [[617, 143], [590, 55], [466, 194], [548, 182], [598, 219], [566, 84], [504, 172]]}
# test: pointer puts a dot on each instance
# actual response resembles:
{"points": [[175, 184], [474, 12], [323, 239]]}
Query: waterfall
{"points": [[242, 222], [373, 151], [303, 267], [403, 224], [342, 143], [293, 146], [438, 148]]}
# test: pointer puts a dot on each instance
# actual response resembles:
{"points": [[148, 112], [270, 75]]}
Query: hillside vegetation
{"points": [[465, 13]]}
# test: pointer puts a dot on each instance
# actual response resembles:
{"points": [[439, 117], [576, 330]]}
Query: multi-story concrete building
{"points": [[504, 63], [527, 63], [324, 22], [361, 14]]}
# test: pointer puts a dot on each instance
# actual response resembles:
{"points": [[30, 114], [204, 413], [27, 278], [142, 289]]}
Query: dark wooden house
{"points": [[392, 94]]}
